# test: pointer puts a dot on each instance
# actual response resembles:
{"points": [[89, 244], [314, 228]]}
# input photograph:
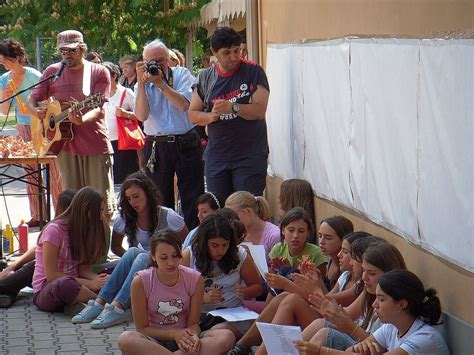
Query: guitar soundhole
{"points": [[51, 122]]}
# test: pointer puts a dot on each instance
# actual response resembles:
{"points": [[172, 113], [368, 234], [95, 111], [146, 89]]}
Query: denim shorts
{"points": [[337, 339]]}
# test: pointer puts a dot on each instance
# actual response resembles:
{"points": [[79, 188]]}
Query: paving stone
{"points": [[67, 331], [69, 339], [18, 341], [73, 347], [44, 344], [96, 350], [42, 336], [20, 350]]}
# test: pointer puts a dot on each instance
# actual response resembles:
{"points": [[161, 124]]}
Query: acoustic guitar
{"points": [[51, 133]]}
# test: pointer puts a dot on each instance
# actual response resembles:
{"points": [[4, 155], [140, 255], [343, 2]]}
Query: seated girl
{"points": [[166, 306], [298, 193], [254, 213], [225, 266], [295, 228], [140, 215], [407, 312], [19, 274], [206, 204], [66, 248], [343, 327]]}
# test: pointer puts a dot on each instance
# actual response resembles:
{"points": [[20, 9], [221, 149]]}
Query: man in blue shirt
{"points": [[172, 144], [231, 100]]}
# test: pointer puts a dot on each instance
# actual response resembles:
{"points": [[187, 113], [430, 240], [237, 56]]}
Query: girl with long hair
{"points": [[208, 203], [66, 248], [224, 266], [166, 306], [19, 274], [408, 313], [298, 193], [140, 215], [343, 327]]}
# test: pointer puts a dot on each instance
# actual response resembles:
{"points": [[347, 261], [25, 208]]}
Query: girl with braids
{"points": [[140, 215], [224, 265], [206, 204], [66, 248], [407, 312], [166, 306]]}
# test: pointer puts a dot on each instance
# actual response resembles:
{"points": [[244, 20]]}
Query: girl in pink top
{"points": [[166, 306], [65, 250]]}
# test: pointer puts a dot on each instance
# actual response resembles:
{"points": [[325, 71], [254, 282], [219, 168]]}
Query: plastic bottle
{"points": [[23, 236], [8, 239]]}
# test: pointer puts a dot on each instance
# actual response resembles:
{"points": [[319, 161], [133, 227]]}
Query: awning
{"points": [[220, 11]]}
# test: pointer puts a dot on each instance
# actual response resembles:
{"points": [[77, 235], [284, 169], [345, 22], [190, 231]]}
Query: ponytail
{"points": [[405, 285], [263, 208]]}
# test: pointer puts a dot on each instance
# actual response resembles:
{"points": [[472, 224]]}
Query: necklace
{"points": [[406, 331]]}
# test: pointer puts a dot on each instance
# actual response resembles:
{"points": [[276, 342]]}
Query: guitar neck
{"points": [[64, 114]]}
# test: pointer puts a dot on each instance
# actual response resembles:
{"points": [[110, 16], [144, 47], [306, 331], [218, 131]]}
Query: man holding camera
{"points": [[172, 144]]}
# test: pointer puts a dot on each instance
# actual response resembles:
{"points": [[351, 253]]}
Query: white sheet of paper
{"points": [[259, 258], [278, 339], [234, 314]]}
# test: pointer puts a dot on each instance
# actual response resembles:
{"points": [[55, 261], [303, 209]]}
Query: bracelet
{"points": [[162, 86], [354, 331]]}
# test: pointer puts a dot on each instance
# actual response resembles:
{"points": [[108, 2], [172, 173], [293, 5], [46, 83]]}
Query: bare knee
{"points": [[313, 328], [127, 340], [320, 337], [222, 340]]}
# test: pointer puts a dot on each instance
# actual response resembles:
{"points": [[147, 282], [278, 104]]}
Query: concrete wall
{"points": [[282, 21]]}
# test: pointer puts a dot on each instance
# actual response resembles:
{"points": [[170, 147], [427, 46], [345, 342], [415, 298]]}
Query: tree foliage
{"points": [[113, 27]]}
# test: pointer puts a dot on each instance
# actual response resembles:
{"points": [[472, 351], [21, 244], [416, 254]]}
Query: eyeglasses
{"points": [[67, 51]]}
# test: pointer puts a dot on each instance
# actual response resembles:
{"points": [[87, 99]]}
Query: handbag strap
{"points": [[122, 98]]}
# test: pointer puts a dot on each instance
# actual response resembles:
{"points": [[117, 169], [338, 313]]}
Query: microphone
{"points": [[60, 70]]}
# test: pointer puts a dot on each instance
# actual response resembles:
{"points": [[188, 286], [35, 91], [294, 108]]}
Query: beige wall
{"points": [[455, 286], [296, 20], [283, 21]]}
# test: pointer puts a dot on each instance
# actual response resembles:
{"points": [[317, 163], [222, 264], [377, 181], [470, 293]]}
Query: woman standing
{"points": [[18, 77], [120, 106]]}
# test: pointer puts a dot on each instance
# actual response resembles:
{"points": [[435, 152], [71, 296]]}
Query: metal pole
{"points": [[38, 54]]}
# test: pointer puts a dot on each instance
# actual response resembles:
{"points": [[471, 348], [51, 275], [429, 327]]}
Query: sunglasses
{"points": [[67, 51]]}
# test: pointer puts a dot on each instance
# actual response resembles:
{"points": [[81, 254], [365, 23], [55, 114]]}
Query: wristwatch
{"points": [[235, 108]]}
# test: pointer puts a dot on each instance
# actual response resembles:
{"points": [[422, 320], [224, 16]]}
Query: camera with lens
{"points": [[153, 67]]}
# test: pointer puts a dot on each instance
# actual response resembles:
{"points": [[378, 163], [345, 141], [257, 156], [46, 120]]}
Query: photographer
{"points": [[172, 144]]}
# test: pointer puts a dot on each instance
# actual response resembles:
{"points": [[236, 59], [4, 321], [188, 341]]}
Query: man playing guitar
{"points": [[86, 159]]}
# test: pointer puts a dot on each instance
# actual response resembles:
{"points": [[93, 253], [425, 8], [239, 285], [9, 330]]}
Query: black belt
{"points": [[170, 138]]}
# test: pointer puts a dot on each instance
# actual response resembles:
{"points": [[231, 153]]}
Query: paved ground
{"points": [[26, 330]]}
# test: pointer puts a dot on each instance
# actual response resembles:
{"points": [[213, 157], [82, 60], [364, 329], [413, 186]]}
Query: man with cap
{"points": [[86, 159]]}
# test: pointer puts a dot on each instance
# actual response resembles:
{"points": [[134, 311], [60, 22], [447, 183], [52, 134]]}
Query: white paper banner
{"points": [[385, 127]]}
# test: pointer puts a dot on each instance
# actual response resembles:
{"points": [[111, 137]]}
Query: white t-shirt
{"points": [[421, 338], [224, 281], [175, 223], [343, 279], [110, 106]]}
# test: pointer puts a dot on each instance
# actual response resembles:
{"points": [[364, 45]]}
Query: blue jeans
{"points": [[117, 287], [249, 174]]}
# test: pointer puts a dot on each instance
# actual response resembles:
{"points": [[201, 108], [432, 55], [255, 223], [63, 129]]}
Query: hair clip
{"points": [[215, 199]]}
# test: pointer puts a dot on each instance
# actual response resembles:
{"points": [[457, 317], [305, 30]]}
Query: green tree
{"points": [[114, 27]]}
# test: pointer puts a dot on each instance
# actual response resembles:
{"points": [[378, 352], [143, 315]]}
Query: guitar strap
{"points": [[86, 78]]}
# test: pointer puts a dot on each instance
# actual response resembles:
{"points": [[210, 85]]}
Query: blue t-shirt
{"points": [[231, 137], [163, 117], [31, 77]]}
